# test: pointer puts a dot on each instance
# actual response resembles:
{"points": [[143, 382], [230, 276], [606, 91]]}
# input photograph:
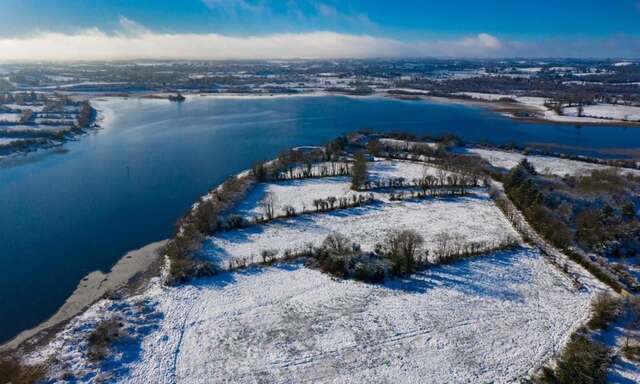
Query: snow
{"points": [[475, 218], [623, 64], [465, 323], [593, 113], [34, 108], [297, 193], [607, 111], [10, 117], [404, 144], [543, 164], [486, 96], [32, 128], [387, 169], [5, 141]]}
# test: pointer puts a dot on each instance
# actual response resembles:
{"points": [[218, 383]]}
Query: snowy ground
{"points": [[387, 169], [6, 141], [495, 318], [10, 117], [592, 113], [296, 193], [543, 164], [492, 319], [607, 111], [300, 194], [476, 218], [405, 145]]}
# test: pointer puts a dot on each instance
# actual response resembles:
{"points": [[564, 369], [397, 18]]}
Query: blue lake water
{"points": [[66, 213]]}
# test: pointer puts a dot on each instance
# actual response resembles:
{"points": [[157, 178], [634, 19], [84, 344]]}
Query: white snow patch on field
{"points": [[476, 218], [543, 164], [301, 193], [406, 145], [387, 169], [593, 114], [5, 141], [492, 319], [607, 111], [10, 117], [296, 193]]}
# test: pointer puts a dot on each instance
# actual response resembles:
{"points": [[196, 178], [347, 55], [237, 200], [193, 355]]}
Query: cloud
{"points": [[482, 40], [137, 42], [134, 41], [232, 5], [131, 28], [350, 17]]}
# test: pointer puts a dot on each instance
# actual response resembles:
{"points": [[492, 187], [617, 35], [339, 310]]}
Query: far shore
{"points": [[511, 110], [506, 109], [130, 273]]}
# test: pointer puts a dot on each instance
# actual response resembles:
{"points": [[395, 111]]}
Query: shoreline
{"points": [[509, 110], [129, 274]]}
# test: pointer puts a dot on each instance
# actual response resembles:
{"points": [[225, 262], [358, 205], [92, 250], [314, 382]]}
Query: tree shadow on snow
{"points": [[483, 276]]}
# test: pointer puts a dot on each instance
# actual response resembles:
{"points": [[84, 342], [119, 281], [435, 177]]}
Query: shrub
{"points": [[13, 371], [337, 244], [401, 247], [181, 269], [605, 308], [102, 337], [235, 222], [583, 361]]}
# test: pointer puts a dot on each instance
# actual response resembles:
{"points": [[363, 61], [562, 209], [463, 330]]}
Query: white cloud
{"points": [[131, 28], [482, 40], [350, 17], [232, 5], [134, 41]]}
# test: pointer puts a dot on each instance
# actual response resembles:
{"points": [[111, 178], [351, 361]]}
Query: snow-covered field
{"points": [[10, 117], [299, 194], [543, 164], [607, 111], [387, 169], [496, 318], [476, 218], [492, 319], [32, 128], [404, 144], [592, 113]]}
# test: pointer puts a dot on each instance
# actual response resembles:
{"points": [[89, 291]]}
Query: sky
{"points": [[259, 29]]}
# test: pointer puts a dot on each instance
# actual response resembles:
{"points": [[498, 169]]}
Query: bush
{"points": [[401, 247], [583, 361], [102, 337], [13, 371], [181, 270], [605, 309]]}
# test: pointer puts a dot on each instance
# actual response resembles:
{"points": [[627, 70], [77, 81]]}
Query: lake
{"points": [[66, 213]]}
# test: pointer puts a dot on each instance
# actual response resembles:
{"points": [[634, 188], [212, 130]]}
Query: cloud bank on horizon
{"points": [[134, 41]]}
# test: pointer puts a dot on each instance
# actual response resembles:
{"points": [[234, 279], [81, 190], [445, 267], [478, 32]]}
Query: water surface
{"points": [[65, 214]]}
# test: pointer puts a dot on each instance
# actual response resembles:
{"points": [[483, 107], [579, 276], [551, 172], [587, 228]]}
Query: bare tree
{"points": [[269, 205]]}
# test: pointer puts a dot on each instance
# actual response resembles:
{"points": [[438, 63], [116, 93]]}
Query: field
{"points": [[543, 164], [494, 318], [475, 218], [466, 323]]}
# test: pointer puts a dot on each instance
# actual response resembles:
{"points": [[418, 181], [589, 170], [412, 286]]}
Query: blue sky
{"points": [[542, 28]]}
